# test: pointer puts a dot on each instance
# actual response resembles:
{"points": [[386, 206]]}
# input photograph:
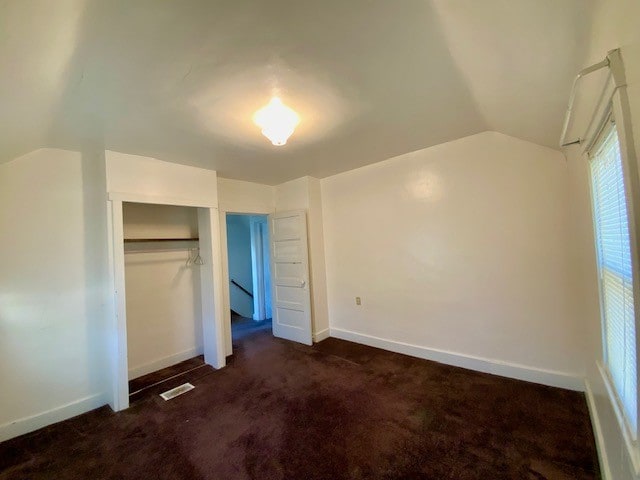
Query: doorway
{"points": [[210, 278], [249, 275], [288, 279], [162, 291]]}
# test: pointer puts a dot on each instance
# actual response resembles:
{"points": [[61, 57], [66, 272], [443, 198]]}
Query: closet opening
{"points": [[162, 262], [249, 275]]}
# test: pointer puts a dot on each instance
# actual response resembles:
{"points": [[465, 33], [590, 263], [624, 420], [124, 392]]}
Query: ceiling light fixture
{"points": [[277, 121]]}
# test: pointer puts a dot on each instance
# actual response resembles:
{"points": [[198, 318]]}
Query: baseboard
{"points": [[58, 414], [321, 335], [164, 362], [495, 367], [631, 452], [603, 458]]}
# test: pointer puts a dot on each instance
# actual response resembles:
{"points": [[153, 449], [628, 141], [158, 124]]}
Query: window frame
{"points": [[617, 111], [608, 127]]}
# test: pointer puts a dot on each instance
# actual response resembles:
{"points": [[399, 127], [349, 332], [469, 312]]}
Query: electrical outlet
{"points": [[358, 301]]}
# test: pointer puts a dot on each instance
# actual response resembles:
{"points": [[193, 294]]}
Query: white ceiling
{"points": [[371, 79]]}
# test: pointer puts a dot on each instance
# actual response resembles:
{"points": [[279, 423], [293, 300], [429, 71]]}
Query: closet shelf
{"points": [[139, 240]]}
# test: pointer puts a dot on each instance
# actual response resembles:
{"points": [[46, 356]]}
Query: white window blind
{"points": [[616, 273]]}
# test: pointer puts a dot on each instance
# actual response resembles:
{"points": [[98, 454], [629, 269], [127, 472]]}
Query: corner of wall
{"points": [[68, 210]]}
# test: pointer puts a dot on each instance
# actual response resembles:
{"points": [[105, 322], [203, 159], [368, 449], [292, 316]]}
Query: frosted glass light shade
{"points": [[277, 121]]}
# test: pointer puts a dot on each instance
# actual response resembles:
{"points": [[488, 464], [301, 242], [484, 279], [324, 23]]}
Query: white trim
{"points": [[496, 367], [159, 200], [224, 251], [164, 362], [624, 126], [633, 452], [226, 208], [111, 311], [321, 335], [211, 285], [257, 268], [120, 399], [603, 458], [244, 208], [618, 109], [58, 414]]}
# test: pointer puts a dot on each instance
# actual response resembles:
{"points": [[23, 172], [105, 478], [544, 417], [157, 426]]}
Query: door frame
{"points": [[211, 286], [226, 301], [259, 228]]}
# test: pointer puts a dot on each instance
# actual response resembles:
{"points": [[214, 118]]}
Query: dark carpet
{"points": [[333, 411], [137, 386], [242, 327]]}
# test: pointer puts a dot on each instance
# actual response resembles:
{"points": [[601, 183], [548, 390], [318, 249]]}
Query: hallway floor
{"points": [[241, 327], [336, 410]]}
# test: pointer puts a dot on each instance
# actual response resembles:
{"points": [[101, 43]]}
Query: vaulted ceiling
{"points": [[371, 79]]}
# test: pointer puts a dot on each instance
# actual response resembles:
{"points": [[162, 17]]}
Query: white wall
{"points": [[164, 320], [148, 178], [459, 253], [305, 194], [52, 264], [614, 25], [317, 263], [245, 197], [142, 220], [58, 341], [239, 255]]}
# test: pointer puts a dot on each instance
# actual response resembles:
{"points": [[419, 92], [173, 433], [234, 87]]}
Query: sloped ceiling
{"points": [[371, 79]]}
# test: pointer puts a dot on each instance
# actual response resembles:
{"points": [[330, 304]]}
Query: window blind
{"points": [[616, 273]]}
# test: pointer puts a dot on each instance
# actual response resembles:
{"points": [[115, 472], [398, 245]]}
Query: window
{"points": [[615, 270]]}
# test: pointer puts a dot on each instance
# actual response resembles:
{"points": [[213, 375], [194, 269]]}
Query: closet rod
{"points": [[139, 240], [157, 250]]}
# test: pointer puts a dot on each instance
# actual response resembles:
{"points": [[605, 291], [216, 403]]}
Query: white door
{"points": [[291, 305]]}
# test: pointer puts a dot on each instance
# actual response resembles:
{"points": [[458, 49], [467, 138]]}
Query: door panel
{"points": [[287, 250], [293, 271], [292, 318], [285, 228], [290, 276], [290, 295]]}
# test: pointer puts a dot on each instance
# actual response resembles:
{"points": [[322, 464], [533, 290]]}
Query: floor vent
{"points": [[174, 392]]}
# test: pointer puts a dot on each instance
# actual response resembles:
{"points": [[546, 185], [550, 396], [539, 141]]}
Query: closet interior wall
{"points": [[164, 314]]}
